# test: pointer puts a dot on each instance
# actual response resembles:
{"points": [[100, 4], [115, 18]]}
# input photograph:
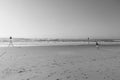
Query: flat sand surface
{"points": [[60, 63]]}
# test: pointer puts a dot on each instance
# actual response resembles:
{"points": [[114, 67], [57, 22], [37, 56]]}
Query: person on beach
{"points": [[97, 45], [10, 42]]}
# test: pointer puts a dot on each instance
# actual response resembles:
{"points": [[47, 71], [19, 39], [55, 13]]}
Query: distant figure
{"points": [[10, 42], [97, 45], [88, 40]]}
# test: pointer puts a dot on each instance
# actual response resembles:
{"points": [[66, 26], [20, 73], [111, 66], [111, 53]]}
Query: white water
{"points": [[5, 44]]}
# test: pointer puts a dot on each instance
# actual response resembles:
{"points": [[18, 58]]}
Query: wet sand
{"points": [[60, 63]]}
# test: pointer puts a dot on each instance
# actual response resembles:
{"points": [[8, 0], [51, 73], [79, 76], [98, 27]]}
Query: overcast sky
{"points": [[60, 18]]}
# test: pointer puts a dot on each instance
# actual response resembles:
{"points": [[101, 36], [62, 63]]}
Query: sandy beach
{"points": [[59, 39], [60, 63]]}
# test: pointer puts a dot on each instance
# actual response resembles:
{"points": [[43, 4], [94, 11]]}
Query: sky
{"points": [[60, 18]]}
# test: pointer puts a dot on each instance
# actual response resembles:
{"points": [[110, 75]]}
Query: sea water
{"points": [[53, 43]]}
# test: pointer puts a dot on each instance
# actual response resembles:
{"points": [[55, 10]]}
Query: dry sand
{"points": [[60, 63]]}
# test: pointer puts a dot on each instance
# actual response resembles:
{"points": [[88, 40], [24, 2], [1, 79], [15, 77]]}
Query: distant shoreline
{"points": [[45, 43], [57, 40]]}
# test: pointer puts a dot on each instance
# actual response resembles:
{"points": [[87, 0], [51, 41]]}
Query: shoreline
{"points": [[27, 44]]}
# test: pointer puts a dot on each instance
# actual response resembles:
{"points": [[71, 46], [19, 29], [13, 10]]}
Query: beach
{"points": [[60, 63], [59, 39]]}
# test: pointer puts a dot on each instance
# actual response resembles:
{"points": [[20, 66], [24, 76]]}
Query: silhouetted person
{"points": [[10, 42], [97, 45]]}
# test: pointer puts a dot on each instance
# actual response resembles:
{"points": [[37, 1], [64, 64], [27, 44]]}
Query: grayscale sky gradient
{"points": [[60, 18]]}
